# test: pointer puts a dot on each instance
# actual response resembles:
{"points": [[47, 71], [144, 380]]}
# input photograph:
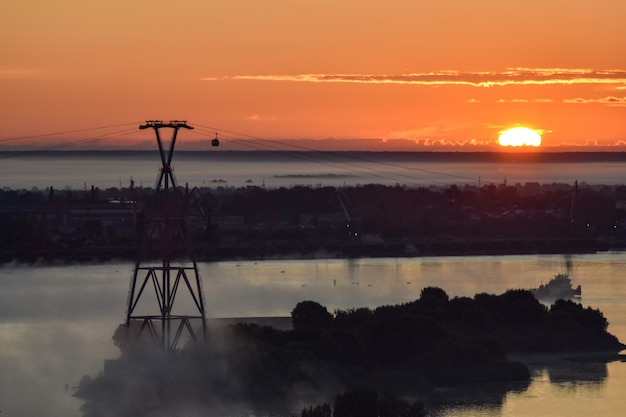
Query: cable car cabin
{"points": [[215, 141]]}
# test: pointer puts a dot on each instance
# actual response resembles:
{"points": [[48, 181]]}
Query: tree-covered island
{"points": [[400, 351]]}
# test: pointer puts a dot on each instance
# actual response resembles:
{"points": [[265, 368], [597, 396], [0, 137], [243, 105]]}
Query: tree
{"points": [[310, 314]]}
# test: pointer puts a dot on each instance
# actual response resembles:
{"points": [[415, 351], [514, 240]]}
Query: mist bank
{"points": [[187, 154], [409, 350]]}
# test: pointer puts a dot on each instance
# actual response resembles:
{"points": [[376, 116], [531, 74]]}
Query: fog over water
{"points": [[57, 321], [81, 169]]}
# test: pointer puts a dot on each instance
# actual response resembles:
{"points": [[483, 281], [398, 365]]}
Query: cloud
{"points": [[609, 101], [440, 129], [525, 100], [486, 79], [454, 143], [514, 100], [435, 136]]}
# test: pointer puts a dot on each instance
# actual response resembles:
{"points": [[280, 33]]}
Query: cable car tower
{"points": [[165, 299]]}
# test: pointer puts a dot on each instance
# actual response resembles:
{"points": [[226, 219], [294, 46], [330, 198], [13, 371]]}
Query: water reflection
{"points": [[554, 381], [57, 321], [558, 387], [572, 374], [471, 400], [581, 391]]}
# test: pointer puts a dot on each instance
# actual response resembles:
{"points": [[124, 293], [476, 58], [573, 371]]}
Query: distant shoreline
{"points": [[430, 156], [292, 250]]}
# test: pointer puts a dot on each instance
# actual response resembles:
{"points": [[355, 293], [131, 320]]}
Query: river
{"points": [[57, 321]]}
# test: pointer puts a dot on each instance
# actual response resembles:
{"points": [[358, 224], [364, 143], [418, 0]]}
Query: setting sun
{"points": [[519, 136], [353, 86]]}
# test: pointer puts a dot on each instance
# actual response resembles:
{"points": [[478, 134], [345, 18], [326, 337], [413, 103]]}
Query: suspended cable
{"points": [[312, 155], [13, 154], [345, 156], [66, 132], [346, 166]]}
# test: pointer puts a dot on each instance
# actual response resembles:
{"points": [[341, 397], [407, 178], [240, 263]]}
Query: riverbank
{"points": [[316, 222], [297, 249]]}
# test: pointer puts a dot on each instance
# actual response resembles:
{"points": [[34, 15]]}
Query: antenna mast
{"points": [[164, 234]]}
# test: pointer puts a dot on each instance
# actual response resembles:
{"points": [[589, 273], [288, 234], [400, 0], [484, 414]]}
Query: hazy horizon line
{"points": [[320, 145]]}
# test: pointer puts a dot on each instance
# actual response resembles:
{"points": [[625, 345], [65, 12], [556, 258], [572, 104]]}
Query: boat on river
{"points": [[559, 287]]}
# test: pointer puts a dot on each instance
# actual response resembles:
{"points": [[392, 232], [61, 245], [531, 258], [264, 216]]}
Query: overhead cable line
{"points": [[12, 154], [312, 155], [67, 132], [347, 156], [274, 145], [299, 155], [344, 155], [346, 166]]}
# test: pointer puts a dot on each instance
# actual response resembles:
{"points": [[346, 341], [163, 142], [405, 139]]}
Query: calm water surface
{"points": [[78, 170], [56, 322]]}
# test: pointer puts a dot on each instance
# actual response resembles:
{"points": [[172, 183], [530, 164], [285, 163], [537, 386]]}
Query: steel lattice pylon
{"points": [[176, 272]]}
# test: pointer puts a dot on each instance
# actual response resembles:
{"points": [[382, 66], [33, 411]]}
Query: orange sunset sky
{"points": [[409, 75]]}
